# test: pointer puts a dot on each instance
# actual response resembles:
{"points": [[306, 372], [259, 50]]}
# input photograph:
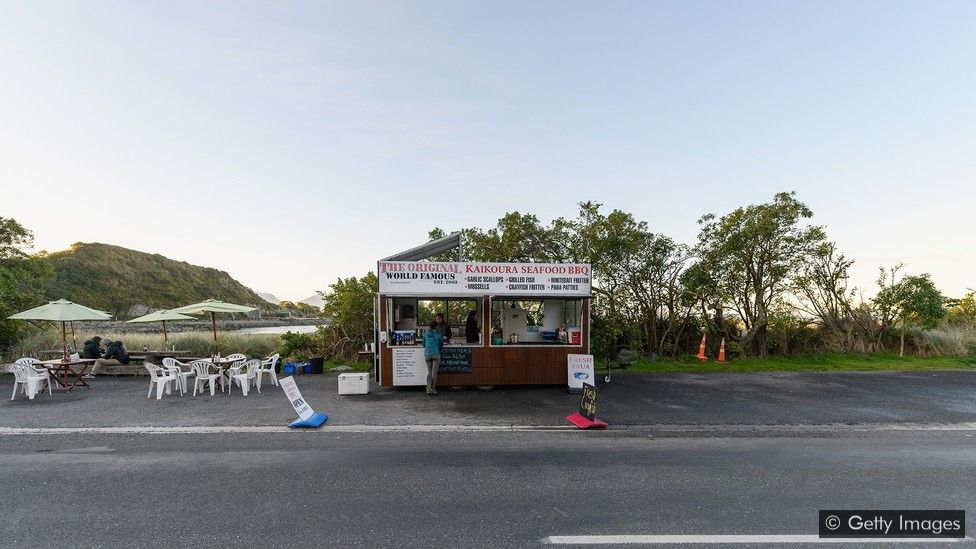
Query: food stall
{"points": [[530, 318]]}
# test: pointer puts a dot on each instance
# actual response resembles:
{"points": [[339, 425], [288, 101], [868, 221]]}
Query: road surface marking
{"points": [[709, 539], [964, 426]]}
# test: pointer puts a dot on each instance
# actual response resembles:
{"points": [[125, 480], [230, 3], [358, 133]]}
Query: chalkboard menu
{"points": [[588, 402], [455, 360]]}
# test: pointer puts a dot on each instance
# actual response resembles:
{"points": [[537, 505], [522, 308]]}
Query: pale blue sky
{"points": [[292, 143]]}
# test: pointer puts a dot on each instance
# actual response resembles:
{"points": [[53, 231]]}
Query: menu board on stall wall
{"points": [[409, 367], [455, 360], [438, 278]]}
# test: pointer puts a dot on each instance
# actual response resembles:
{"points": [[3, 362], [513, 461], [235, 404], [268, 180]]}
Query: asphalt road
{"points": [[778, 398], [458, 489]]}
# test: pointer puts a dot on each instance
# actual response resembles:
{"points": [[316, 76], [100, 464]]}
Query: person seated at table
{"points": [[115, 354], [93, 348]]}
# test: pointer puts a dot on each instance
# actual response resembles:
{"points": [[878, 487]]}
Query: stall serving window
{"points": [[411, 318], [536, 321]]}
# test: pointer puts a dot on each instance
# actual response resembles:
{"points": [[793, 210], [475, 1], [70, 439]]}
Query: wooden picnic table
{"points": [[76, 368]]}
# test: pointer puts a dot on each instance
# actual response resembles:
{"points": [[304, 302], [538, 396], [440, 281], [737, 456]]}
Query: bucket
{"points": [[289, 369], [316, 364], [307, 368]]}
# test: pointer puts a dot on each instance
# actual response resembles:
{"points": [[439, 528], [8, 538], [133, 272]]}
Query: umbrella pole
{"points": [[165, 337], [64, 342], [213, 322], [74, 338]]}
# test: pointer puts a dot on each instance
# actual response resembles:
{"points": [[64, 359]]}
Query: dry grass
{"points": [[198, 343]]}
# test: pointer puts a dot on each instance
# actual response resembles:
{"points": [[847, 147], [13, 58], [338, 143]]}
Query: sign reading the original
{"points": [[301, 407], [409, 367], [434, 278], [580, 370], [455, 360]]}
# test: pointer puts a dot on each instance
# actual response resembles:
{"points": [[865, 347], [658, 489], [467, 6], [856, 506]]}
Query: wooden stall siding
{"points": [[501, 365]]}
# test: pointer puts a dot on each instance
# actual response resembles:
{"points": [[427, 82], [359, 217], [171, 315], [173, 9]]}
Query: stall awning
{"points": [[430, 249]]}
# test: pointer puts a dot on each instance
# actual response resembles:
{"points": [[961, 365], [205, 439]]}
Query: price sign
{"points": [[455, 360], [588, 402]]}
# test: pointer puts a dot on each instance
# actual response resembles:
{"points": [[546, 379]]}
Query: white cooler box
{"points": [[354, 384]]}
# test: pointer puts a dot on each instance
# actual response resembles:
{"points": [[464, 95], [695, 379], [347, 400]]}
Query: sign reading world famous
{"points": [[437, 278]]}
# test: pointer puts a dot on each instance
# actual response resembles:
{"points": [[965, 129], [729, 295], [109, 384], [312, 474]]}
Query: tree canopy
{"points": [[22, 278]]}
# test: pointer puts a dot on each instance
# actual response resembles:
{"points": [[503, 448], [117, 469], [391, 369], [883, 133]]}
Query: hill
{"points": [[269, 297], [315, 301], [128, 282]]}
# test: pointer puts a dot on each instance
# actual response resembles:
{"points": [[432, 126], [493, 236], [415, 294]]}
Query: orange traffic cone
{"points": [[701, 351], [721, 353]]}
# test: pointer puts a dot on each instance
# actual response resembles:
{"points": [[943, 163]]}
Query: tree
{"points": [[751, 254], [823, 292], [300, 309], [349, 305], [516, 238], [22, 278], [912, 300], [963, 310], [636, 277]]}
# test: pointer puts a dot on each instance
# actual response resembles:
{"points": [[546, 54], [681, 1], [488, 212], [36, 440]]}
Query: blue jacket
{"points": [[433, 343]]}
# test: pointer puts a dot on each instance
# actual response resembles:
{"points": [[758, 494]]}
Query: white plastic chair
{"points": [[29, 383], [267, 366], [245, 374], [235, 374], [180, 370], [35, 369], [205, 371], [235, 361], [159, 378]]}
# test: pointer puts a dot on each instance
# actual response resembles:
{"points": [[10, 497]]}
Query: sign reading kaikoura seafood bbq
{"points": [[417, 278]]}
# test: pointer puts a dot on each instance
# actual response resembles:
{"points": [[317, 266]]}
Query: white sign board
{"points": [[302, 408], [409, 367], [441, 278], [580, 371]]}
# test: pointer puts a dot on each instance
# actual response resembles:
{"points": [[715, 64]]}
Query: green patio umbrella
{"points": [[62, 311], [213, 306], [162, 316]]}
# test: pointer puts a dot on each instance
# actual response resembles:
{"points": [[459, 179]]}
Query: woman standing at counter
{"points": [[433, 344]]}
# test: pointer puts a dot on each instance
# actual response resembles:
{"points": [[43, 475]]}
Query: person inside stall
{"points": [[443, 327], [471, 331]]}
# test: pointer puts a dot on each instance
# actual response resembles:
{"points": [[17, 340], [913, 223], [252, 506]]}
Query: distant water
{"points": [[278, 330]]}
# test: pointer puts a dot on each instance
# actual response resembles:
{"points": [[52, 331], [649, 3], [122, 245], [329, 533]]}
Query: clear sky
{"points": [[293, 143]]}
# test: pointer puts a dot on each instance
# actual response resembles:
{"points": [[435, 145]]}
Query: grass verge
{"points": [[828, 362]]}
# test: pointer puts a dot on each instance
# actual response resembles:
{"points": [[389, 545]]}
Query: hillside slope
{"points": [[128, 282]]}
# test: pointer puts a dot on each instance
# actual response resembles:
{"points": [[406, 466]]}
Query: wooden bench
{"points": [[133, 368]]}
